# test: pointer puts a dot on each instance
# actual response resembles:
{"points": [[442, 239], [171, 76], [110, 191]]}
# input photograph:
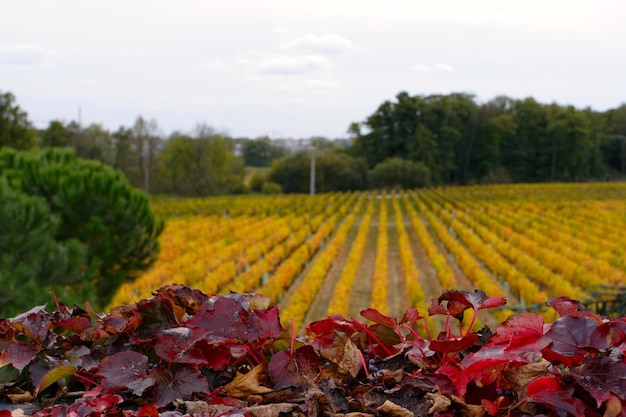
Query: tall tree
{"points": [[55, 135], [15, 128]]}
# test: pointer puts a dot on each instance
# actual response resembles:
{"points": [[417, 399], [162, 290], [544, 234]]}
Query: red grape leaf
{"points": [[188, 345], [476, 299], [33, 324], [377, 317], [226, 319], [19, 355], [609, 334], [602, 376], [185, 297], [453, 344], [287, 370], [522, 331], [570, 335], [181, 385], [155, 314], [125, 370], [565, 306], [549, 392], [458, 378]]}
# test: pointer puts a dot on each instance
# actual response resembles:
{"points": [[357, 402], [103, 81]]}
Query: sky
{"points": [[292, 68]]}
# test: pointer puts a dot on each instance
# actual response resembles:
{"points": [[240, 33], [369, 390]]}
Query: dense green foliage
{"points": [[75, 206], [200, 166], [31, 259], [260, 152], [15, 128], [399, 173], [333, 172], [462, 142]]}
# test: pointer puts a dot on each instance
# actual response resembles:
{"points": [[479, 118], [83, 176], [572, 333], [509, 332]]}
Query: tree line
{"points": [[410, 141], [502, 140]]}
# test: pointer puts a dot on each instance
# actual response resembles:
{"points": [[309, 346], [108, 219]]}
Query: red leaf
{"points": [[459, 301], [565, 306], [330, 324], [185, 297], [609, 334], [457, 377], [181, 385], [549, 392], [226, 319], [522, 331], [188, 345], [155, 314], [19, 355], [147, 411], [286, 370], [570, 335], [33, 324], [601, 377], [454, 344], [377, 317], [125, 370]]}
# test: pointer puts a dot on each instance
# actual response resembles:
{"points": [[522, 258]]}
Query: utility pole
{"points": [[312, 186]]}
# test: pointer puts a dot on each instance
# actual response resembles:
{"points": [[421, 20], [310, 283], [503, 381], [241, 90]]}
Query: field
{"points": [[344, 252]]}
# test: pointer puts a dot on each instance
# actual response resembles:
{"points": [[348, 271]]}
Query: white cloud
{"points": [[439, 67], [320, 44], [28, 55], [288, 64]]}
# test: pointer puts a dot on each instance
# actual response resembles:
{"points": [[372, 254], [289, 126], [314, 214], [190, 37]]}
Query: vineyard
{"points": [[345, 252]]}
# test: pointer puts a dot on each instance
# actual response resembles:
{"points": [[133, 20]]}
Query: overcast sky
{"points": [[289, 68]]}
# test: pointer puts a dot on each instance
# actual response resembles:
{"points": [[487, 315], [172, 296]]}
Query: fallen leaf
{"points": [[344, 354], [247, 384], [392, 409], [613, 406], [21, 398], [468, 410], [519, 378], [441, 403], [270, 410]]}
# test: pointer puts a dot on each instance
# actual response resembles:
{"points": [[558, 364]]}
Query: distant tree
{"points": [[261, 152], [201, 166], [55, 135], [334, 172], [399, 173], [97, 207], [15, 128]]}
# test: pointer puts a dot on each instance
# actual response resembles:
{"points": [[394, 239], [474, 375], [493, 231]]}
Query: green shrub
{"points": [[399, 173], [271, 188]]}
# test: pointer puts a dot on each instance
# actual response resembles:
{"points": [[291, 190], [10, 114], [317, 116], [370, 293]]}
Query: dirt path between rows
{"points": [[319, 307], [361, 295]]}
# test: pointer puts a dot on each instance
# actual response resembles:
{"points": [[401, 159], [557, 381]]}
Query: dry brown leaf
{"points": [[392, 409], [468, 410], [613, 406], [344, 354], [270, 410], [21, 398], [195, 407], [441, 403], [244, 385], [519, 378]]}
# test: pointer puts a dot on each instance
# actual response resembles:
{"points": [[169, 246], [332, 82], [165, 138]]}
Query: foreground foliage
{"points": [[182, 352]]}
